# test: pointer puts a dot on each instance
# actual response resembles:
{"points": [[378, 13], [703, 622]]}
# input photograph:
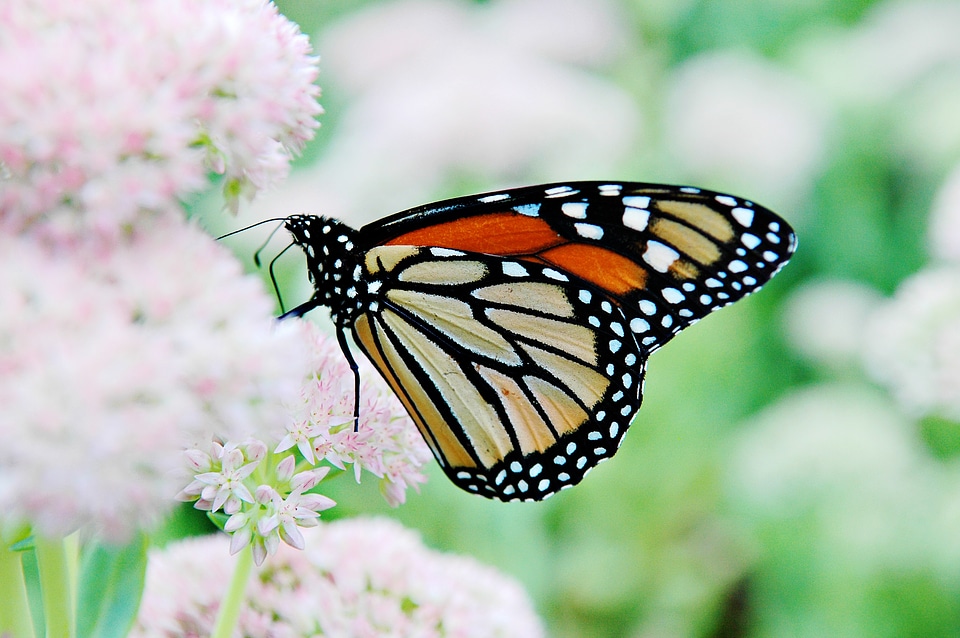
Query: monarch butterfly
{"points": [[515, 325]]}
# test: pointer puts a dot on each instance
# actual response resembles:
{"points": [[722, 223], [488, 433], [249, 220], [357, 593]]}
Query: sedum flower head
{"points": [[359, 577], [268, 493], [385, 441], [112, 109], [113, 359]]}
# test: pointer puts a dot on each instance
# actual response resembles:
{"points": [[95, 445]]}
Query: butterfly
{"points": [[515, 326]]}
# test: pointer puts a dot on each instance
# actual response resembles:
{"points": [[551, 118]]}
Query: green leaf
{"points": [[110, 587]]}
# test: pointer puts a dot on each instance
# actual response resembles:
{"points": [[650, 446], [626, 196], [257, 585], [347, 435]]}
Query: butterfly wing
{"points": [[515, 325], [520, 377], [668, 255]]}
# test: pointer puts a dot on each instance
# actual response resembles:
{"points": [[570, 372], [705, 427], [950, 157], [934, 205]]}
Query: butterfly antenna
{"points": [[345, 347], [246, 228], [273, 276], [256, 255]]}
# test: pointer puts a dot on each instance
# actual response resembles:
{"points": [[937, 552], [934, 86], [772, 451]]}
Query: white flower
{"points": [[360, 577], [734, 119], [825, 320], [944, 235], [840, 463], [896, 43], [113, 359], [912, 343]]}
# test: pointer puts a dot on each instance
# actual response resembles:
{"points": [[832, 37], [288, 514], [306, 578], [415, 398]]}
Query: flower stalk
{"points": [[232, 603]]}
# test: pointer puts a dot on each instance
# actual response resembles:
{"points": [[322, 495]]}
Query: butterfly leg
{"points": [[345, 347], [300, 310]]}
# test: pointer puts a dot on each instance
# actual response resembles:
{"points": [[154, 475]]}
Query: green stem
{"points": [[53, 561], [234, 599], [14, 607]]}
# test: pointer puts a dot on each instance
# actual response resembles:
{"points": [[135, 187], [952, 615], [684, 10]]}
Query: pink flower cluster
{"points": [[385, 443], [111, 110], [269, 495], [363, 578], [112, 361], [126, 334]]}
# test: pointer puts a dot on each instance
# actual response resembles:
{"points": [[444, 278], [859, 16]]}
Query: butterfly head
{"points": [[333, 263]]}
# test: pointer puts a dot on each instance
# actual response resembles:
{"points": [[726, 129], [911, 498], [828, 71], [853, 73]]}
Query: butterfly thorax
{"points": [[333, 264]]}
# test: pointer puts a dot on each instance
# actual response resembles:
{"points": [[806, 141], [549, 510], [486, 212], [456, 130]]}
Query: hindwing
{"points": [[521, 378]]}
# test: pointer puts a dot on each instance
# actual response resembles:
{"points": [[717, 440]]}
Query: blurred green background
{"points": [[769, 486]]}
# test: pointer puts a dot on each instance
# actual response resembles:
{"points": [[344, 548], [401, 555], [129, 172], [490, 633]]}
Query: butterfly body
{"points": [[515, 326]]}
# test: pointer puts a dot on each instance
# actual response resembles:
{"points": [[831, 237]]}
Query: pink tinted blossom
{"points": [[111, 110], [385, 443], [269, 503], [113, 359], [359, 577]]}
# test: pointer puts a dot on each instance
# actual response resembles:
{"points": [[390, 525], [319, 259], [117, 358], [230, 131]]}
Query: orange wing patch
{"points": [[504, 234], [511, 234], [611, 271]]}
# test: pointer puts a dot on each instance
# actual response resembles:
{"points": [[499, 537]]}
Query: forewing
{"points": [[520, 377], [667, 255]]}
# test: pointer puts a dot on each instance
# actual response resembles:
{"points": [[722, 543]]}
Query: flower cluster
{"points": [[126, 334], [384, 441], [112, 110], [267, 494], [358, 577], [113, 360]]}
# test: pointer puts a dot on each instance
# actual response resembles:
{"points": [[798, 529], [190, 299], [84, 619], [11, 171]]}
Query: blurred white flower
{"points": [[113, 359], [912, 343], [444, 91], [733, 119], [842, 464], [824, 321], [944, 233], [111, 109], [894, 45], [926, 129], [359, 577]]}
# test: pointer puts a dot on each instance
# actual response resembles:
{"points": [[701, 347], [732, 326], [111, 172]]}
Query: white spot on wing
{"points": [[577, 210], [559, 191], [750, 241], [636, 201], [726, 200], [744, 216], [514, 269], [530, 210], [660, 256], [446, 252], [496, 197], [639, 325], [673, 295], [555, 274], [589, 231], [635, 218]]}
